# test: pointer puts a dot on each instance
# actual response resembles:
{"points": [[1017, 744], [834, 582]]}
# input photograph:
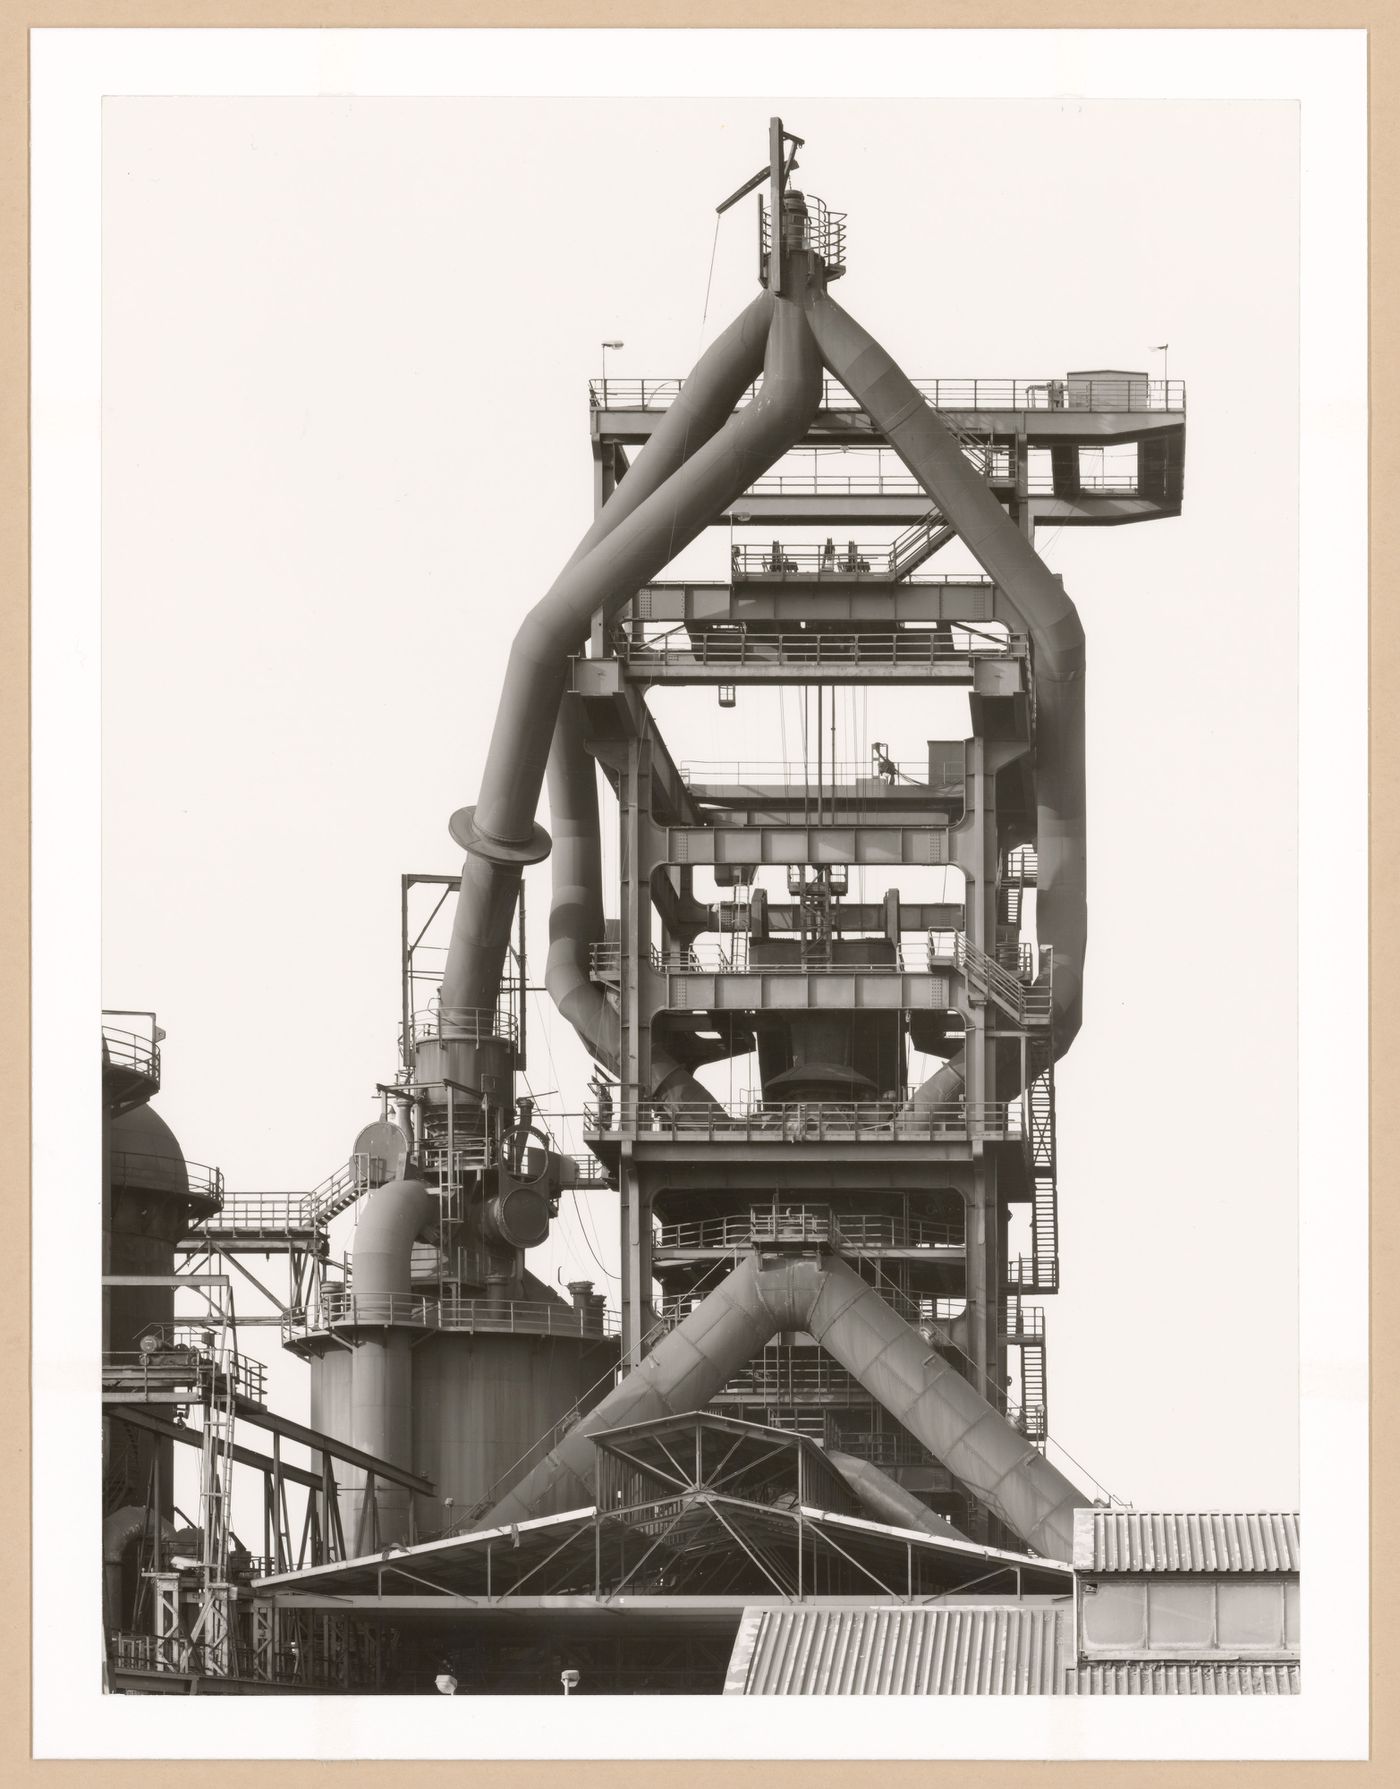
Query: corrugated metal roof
{"points": [[1011, 1650], [1129, 1540], [1184, 1680]]}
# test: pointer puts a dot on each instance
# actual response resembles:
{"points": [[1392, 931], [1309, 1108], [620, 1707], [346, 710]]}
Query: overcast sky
{"points": [[346, 346]]}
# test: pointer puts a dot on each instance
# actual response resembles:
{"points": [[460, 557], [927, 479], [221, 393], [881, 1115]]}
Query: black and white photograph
{"points": [[694, 707]]}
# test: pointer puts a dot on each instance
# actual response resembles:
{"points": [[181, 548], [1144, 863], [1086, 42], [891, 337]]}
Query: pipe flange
{"points": [[467, 834]]}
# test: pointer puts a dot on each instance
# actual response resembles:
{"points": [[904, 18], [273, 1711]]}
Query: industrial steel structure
{"points": [[824, 1397]]}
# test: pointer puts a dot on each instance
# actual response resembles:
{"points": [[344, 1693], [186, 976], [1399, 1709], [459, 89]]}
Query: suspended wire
{"points": [[709, 281], [881, 1277], [580, 1211]]}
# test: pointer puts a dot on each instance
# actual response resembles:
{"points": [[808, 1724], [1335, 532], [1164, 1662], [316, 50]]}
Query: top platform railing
{"points": [[1110, 393], [133, 1045]]}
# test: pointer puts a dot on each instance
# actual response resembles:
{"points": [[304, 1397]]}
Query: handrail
{"points": [[338, 1307], [180, 1366], [1107, 395], [918, 958], [864, 1230], [134, 1050], [161, 1171], [476, 1025], [793, 773], [806, 1121], [261, 1214], [726, 649], [820, 229], [1028, 1004]]}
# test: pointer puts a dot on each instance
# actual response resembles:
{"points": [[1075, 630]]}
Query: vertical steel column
{"points": [[634, 1063], [636, 1196], [983, 1271]]}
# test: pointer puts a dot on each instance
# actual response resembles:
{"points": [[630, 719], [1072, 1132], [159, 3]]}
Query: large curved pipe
{"points": [[381, 1378], [884, 1499], [829, 1300], [576, 916], [502, 834], [933, 454], [704, 403]]}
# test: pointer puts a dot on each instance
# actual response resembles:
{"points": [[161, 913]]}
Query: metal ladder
{"points": [[1040, 1139], [212, 1631]]}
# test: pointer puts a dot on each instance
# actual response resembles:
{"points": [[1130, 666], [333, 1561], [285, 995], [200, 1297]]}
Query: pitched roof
{"points": [[1119, 1540]]}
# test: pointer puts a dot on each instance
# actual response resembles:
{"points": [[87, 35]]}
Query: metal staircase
{"points": [[1027, 1003], [339, 1191], [1044, 1264], [920, 541], [1018, 875], [1026, 1328]]}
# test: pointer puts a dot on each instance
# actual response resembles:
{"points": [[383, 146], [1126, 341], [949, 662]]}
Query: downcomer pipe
{"points": [[850, 1320], [576, 916], [704, 403], [884, 1499], [932, 453], [499, 832], [381, 1383]]}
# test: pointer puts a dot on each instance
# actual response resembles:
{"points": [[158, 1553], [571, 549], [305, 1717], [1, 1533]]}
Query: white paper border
{"points": [[1325, 72]]}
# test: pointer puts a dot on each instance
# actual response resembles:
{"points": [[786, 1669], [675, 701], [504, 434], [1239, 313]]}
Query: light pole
{"points": [[1161, 349], [606, 346]]}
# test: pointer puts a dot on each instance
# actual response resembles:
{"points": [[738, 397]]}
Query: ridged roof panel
{"points": [[1004, 1651], [1126, 1540], [1184, 1680]]}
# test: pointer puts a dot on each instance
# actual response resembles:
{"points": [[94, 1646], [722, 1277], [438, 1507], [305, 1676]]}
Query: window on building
{"points": [[1114, 1616], [1180, 1617]]}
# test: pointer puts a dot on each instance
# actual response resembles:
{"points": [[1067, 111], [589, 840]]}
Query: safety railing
{"points": [[1109, 393], [1088, 484], [795, 1379], [337, 1308], [657, 594], [731, 650], [995, 463], [1024, 1273], [161, 1173], [1024, 1322], [134, 1652], [338, 1191], [605, 959], [1018, 959], [798, 1121], [836, 484], [181, 1366], [879, 1447], [260, 1214], [125, 1046], [778, 560], [872, 1230], [1027, 1004], [473, 1025], [911, 958], [465, 1156], [798, 773], [866, 1230], [821, 230]]}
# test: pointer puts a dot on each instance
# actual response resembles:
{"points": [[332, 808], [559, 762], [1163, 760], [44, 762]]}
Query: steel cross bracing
{"points": [[889, 627], [830, 1005]]}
